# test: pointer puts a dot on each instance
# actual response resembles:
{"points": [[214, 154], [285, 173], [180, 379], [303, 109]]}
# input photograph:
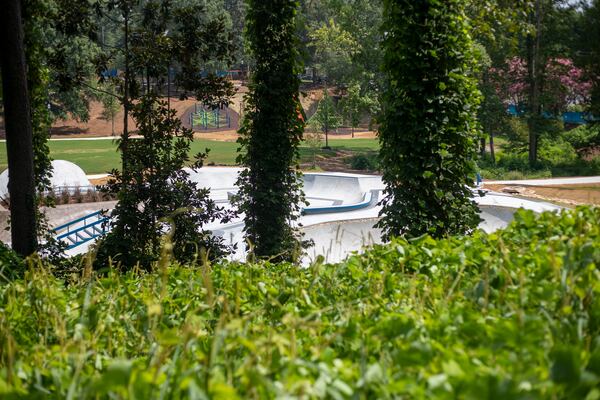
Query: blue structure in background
{"points": [[576, 118], [570, 118], [110, 73], [515, 111], [82, 230]]}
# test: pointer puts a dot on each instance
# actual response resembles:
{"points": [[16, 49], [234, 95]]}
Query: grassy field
{"points": [[99, 156]]}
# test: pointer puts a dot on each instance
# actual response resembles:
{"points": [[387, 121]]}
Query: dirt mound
{"points": [[96, 126]]}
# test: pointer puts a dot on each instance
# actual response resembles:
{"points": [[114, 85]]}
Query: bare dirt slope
{"points": [[97, 126], [569, 195]]}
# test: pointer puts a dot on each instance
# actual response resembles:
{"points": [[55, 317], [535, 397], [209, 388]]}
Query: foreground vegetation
{"points": [[511, 315]]}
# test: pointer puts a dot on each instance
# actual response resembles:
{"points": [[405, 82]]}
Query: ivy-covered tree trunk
{"points": [[428, 132], [19, 137], [270, 190], [534, 77]]}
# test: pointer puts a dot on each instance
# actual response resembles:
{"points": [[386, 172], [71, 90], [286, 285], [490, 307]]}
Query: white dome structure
{"points": [[65, 175]]}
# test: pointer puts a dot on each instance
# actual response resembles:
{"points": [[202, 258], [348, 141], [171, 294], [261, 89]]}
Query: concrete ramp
{"points": [[343, 211], [323, 189], [220, 180]]}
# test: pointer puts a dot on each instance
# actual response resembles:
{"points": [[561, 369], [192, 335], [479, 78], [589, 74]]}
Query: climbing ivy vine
{"points": [[428, 130], [270, 193]]}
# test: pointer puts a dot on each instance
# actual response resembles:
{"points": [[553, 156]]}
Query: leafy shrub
{"points": [[512, 166], [517, 134], [11, 265], [582, 137], [364, 162], [514, 175], [509, 315], [555, 152], [513, 162]]}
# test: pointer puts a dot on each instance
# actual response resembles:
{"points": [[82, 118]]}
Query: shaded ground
{"points": [[335, 160]]}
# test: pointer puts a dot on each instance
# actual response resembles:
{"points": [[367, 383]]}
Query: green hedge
{"points": [[512, 315]]}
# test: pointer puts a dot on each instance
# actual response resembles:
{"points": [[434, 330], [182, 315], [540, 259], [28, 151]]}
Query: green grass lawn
{"points": [[99, 156]]}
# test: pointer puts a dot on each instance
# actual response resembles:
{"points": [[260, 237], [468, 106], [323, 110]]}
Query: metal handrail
{"points": [[81, 229], [78, 220], [76, 236]]}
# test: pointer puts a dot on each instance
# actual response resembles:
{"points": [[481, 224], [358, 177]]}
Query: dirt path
{"points": [[570, 195], [97, 126], [337, 162]]}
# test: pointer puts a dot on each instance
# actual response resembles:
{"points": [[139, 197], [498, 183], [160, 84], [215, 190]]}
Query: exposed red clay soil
{"points": [[570, 195]]}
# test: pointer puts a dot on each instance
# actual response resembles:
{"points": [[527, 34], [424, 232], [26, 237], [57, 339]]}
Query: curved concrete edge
{"points": [[369, 199], [340, 220], [503, 200]]}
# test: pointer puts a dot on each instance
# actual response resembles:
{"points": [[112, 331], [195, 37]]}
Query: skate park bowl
{"points": [[341, 211], [65, 176], [220, 180]]}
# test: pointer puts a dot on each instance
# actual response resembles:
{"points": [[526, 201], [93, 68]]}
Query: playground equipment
{"points": [[204, 118], [82, 230]]}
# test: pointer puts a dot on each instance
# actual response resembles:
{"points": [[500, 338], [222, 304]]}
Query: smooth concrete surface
{"points": [[337, 234], [334, 241]]}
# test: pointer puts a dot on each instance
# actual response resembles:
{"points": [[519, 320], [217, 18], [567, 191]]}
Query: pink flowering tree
{"points": [[511, 81], [564, 84]]}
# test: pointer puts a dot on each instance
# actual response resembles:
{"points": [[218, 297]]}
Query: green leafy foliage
{"points": [[157, 197], [326, 117], [355, 104], [569, 153], [583, 137], [590, 49], [511, 315], [270, 193], [110, 105], [364, 162], [11, 265], [59, 55], [428, 129], [334, 51]]}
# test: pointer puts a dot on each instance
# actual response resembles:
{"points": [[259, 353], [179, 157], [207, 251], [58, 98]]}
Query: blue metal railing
{"points": [[82, 230]]}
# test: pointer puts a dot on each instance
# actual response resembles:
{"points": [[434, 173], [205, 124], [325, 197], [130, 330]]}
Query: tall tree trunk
{"points": [[482, 146], [126, 79], [492, 149], [19, 135], [534, 71]]}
